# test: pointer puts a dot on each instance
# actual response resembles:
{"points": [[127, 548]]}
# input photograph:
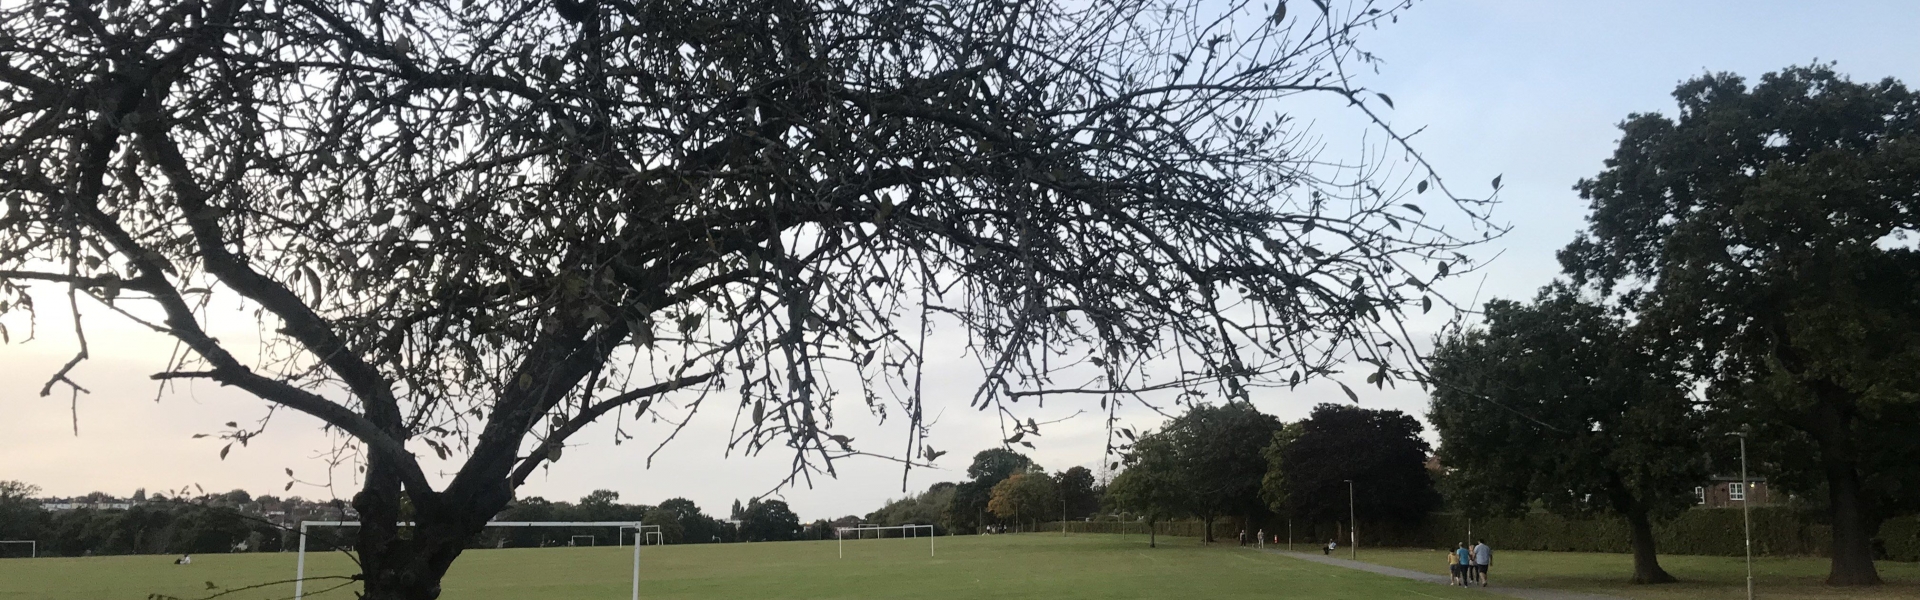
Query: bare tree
{"points": [[475, 228]]}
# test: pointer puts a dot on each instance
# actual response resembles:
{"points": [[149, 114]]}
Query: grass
{"points": [[1702, 577], [1029, 566]]}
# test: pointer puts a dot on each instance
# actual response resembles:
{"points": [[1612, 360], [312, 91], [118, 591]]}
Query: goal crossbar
{"points": [[33, 546], [300, 568], [841, 533]]}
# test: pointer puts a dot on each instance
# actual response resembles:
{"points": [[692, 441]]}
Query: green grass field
{"points": [[1037, 566], [1702, 577]]}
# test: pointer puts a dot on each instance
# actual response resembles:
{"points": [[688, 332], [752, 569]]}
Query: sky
{"points": [[1527, 90]]}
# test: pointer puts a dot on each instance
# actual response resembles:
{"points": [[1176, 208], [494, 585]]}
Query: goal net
{"points": [[880, 531], [575, 540], [19, 549], [300, 564]]}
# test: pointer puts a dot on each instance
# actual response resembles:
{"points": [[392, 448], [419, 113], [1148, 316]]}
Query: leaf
{"points": [[223, 451], [1324, 8], [289, 471], [553, 453], [289, 487], [1312, 251], [1415, 208], [199, 435], [1496, 180], [313, 280], [232, 424], [1385, 98], [1016, 437], [1350, 395], [1421, 188], [1280, 11], [1443, 268], [1426, 304], [1027, 444]]}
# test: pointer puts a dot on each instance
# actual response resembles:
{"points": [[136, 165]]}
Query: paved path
{"points": [[1527, 593]]}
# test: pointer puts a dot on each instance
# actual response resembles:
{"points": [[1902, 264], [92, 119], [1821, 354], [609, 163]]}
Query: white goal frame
{"points": [[593, 540], [33, 546], [300, 568], [905, 531], [642, 534]]}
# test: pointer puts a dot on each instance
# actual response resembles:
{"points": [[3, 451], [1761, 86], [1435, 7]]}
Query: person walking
{"points": [[1465, 558], [1260, 538], [1482, 558], [1455, 570], [1329, 548]]}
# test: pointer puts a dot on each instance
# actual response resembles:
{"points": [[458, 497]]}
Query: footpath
{"points": [[1511, 592]]}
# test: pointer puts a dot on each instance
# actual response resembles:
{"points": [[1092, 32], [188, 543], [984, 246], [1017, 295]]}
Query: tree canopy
{"points": [[1151, 484], [470, 231], [1028, 497], [1559, 404], [1765, 230], [1380, 451], [1218, 448], [1076, 487]]}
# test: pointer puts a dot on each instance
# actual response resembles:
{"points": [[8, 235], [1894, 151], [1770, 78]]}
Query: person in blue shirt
{"points": [[1482, 557], [1466, 561]]}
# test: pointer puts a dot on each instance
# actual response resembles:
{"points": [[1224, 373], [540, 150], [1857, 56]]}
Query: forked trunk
{"points": [[398, 562], [1853, 523], [1646, 564]]}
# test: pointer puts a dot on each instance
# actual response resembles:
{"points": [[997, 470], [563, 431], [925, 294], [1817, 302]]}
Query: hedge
{"points": [[1777, 531]]}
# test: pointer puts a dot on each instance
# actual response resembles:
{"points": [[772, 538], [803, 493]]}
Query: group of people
{"points": [[1469, 565]]}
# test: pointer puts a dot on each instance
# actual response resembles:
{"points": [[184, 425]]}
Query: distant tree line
{"points": [[237, 521]]}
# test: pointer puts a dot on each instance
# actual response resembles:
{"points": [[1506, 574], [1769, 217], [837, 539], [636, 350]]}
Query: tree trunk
{"points": [[1853, 523], [1206, 532], [1646, 564], [397, 567], [1153, 535]]}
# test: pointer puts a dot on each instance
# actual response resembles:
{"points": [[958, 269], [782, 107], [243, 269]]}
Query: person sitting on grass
{"points": [[185, 559], [1329, 548], [1455, 571]]}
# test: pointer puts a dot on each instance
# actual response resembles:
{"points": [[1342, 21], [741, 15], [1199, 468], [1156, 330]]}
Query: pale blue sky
{"points": [[1531, 90]]}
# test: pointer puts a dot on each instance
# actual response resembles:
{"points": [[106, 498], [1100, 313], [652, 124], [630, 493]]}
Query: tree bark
{"points": [[1206, 532], [1646, 564], [1853, 521], [1153, 535]]}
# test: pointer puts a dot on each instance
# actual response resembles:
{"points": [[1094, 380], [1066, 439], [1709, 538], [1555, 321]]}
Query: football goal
{"points": [[33, 548], [642, 534], [300, 564], [575, 540], [906, 531]]}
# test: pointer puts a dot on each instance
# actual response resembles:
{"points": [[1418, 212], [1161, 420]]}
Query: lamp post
{"points": [[1746, 509], [1353, 525]]}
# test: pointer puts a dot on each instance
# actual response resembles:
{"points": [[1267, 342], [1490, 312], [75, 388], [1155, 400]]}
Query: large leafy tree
{"points": [[968, 510], [1025, 497], [1076, 487], [768, 521], [1380, 451], [1151, 485], [1766, 229], [472, 229], [1560, 404], [1221, 464]]}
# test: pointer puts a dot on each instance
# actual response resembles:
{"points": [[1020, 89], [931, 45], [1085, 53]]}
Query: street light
{"points": [[1746, 510], [1353, 525]]}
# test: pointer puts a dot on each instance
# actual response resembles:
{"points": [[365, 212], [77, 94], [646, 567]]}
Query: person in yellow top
{"points": [[1455, 569]]}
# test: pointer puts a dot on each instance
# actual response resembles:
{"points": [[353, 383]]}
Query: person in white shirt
{"points": [[185, 559]]}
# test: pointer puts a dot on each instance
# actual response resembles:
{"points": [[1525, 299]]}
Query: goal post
{"points": [[575, 540], [905, 531], [33, 546], [300, 564], [642, 534]]}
